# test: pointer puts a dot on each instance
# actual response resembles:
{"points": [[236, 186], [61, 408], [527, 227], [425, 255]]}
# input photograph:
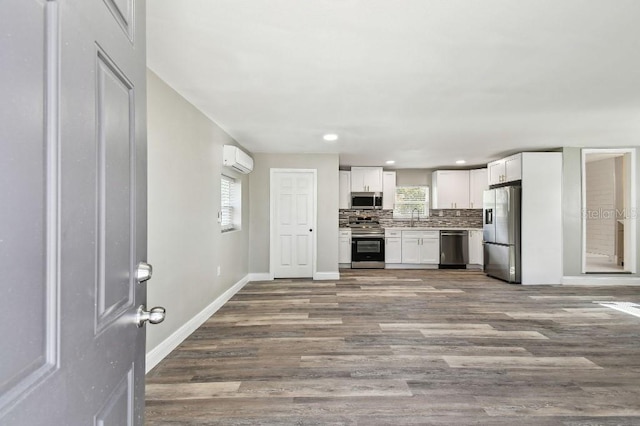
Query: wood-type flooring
{"points": [[406, 347]]}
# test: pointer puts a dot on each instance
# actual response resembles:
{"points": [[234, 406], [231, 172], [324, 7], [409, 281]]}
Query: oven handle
{"points": [[367, 237]]}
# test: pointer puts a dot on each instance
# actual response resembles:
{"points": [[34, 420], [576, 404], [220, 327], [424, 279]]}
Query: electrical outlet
{"points": [[440, 213], [218, 270], [457, 212]]}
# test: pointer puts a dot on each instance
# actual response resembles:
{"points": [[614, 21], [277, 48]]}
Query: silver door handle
{"points": [[154, 315], [143, 272]]}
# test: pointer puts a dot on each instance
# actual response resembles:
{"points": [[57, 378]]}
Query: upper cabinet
{"points": [[507, 169], [344, 202], [478, 183], [450, 189], [388, 190], [366, 179]]}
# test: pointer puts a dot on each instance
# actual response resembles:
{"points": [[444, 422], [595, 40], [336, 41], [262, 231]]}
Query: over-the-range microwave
{"points": [[366, 200]]}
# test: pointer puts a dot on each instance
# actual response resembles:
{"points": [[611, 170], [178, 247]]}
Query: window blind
{"points": [[409, 198], [227, 185]]}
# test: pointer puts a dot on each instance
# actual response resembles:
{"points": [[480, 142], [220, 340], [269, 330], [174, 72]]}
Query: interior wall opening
{"points": [[608, 211]]}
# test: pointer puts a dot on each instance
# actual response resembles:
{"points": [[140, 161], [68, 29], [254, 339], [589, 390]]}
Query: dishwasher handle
{"points": [[453, 233]]}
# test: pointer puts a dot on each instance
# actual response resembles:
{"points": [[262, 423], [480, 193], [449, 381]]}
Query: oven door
{"points": [[367, 252]]}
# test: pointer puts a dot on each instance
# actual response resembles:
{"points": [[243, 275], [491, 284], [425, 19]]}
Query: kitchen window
{"points": [[230, 204], [409, 198]]}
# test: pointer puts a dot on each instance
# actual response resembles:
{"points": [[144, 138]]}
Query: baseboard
{"points": [[326, 276], [260, 276], [601, 281], [158, 353]]}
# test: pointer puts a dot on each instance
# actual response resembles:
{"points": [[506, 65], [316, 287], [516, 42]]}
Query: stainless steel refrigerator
{"points": [[501, 233]]}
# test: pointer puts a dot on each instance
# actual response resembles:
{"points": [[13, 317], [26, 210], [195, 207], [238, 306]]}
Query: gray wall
{"points": [[414, 177], [185, 242], [259, 187], [572, 210]]}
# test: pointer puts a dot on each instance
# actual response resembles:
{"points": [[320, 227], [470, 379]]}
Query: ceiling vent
{"points": [[237, 159]]}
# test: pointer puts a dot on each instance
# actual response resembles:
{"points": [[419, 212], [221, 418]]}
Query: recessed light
{"points": [[460, 162], [330, 137], [390, 162]]}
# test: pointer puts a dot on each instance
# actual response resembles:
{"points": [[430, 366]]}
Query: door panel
{"points": [[115, 141], [28, 219], [501, 216], [293, 223], [73, 173], [285, 250]]}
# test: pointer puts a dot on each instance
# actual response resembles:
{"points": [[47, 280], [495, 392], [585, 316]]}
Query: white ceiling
{"points": [[421, 82]]}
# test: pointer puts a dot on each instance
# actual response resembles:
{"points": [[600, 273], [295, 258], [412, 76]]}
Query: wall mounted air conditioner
{"points": [[237, 159]]}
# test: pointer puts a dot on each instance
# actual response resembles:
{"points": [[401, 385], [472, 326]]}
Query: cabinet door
{"points": [[344, 201], [513, 168], [495, 171], [373, 179], [475, 247], [410, 250], [451, 189], [388, 190], [478, 182], [357, 179], [393, 250], [344, 248], [430, 251]]}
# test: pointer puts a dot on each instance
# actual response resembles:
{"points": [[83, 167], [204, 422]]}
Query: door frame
{"points": [[272, 222], [629, 154]]}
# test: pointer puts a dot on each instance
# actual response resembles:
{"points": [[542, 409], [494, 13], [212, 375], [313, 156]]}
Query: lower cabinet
{"points": [[393, 247], [344, 246], [476, 255], [421, 247]]}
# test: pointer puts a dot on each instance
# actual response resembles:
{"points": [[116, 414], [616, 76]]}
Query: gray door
{"points": [[72, 215]]}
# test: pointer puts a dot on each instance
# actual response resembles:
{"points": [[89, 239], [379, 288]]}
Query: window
{"points": [[230, 196], [409, 198]]}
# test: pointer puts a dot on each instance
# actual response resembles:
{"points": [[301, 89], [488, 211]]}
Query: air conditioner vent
{"points": [[237, 159]]}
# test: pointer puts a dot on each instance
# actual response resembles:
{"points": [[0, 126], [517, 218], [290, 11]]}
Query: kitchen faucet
{"points": [[415, 209]]}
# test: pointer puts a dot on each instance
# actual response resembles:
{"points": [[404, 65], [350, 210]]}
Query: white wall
{"points": [[185, 242], [327, 237]]}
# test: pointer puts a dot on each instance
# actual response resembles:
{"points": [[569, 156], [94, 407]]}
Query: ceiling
{"points": [[421, 82]]}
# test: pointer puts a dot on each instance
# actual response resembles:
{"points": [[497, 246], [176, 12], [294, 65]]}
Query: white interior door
{"points": [[293, 207], [73, 222]]}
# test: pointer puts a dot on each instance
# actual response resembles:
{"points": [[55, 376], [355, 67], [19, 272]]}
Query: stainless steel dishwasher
{"points": [[454, 249]]}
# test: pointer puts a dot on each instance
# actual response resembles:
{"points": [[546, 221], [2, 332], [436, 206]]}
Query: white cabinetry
{"points": [[366, 179], [507, 169], [450, 189], [344, 202], [392, 246], [421, 247], [344, 248], [478, 182], [475, 247], [388, 190]]}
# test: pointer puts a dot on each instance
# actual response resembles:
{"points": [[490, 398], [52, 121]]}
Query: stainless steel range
{"points": [[367, 242]]}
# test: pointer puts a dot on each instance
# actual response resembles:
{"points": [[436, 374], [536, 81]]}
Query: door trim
{"points": [[272, 222], [632, 204]]}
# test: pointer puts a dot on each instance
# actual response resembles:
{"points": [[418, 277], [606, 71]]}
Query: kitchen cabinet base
{"points": [[410, 266]]}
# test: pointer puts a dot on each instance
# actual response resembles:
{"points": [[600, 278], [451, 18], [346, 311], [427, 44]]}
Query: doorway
{"points": [[293, 223], [608, 206]]}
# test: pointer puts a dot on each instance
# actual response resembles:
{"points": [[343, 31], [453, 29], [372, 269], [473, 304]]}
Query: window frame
{"points": [[398, 215], [230, 204]]}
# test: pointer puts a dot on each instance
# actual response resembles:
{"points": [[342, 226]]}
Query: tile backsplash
{"points": [[462, 218]]}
